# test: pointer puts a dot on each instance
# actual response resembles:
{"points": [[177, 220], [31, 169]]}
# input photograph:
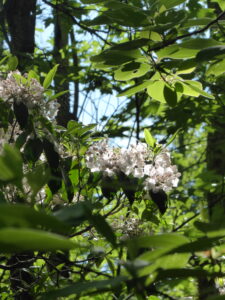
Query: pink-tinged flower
{"points": [[138, 161]]}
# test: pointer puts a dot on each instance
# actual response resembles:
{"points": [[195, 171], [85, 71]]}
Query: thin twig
{"points": [[180, 37], [84, 27]]}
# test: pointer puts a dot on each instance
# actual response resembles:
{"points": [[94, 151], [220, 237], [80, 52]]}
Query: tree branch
{"points": [[84, 27], [173, 41]]}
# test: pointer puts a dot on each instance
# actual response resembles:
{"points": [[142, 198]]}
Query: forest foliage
{"points": [[131, 204]]}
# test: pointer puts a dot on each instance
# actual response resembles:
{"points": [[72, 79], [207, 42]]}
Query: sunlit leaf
{"points": [[49, 77]]}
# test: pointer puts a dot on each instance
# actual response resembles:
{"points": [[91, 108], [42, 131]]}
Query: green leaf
{"points": [[37, 178], [173, 137], [125, 14], [17, 215], [11, 164], [168, 241], [197, 22], [179, 66], [4, 59], [170, 3], [193, 86], [12, 63], [167, 262], [33, 149], [170, 95], [14, 240], [116, 57], [131, 70], [102, 227], [188, 48], [32, 74], [221, 3], [84, 288], [135, 89], [131, 45], [53, 97], [201, 244], [49, 77], [156, 90], [211, 53], [181, 273], [217, 68], [149, 138], [72, 215]]}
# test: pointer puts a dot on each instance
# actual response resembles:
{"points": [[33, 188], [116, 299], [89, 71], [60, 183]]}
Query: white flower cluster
{"points": [[127, 226], [137, 161], [28, 91]]}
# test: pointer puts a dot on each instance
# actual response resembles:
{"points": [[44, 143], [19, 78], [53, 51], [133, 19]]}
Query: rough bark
{"points": [[21, 16], [61, 34]]}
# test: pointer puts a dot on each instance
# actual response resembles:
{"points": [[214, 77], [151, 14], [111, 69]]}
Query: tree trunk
{"points": [[21, 17], [215, 157], [61, 80]]}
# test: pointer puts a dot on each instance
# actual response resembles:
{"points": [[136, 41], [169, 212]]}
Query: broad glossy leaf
{"points": [[157, 241], [221, 3], [32, 74], [170, 95], [187, 49], [217, 68], [14, 240], [37, 178], [170, 3], [131, 45], [116, 57], [181, 273], [72, 215], [201, 244], [211, 53], [193, 86], [149, 138], [17, 215], [80, 212], [10, 164], [197, 22], [166, 262], [84, 287], [125, 14], [33, 149], [184, 66], [51, 154], [135, 89], [156, 90], [99, 20], [12, 63], [102, 227], [49, 77], [160, 199], [151, 35], [173, 137], [53, 97], [131, 70], [21, 113]]}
